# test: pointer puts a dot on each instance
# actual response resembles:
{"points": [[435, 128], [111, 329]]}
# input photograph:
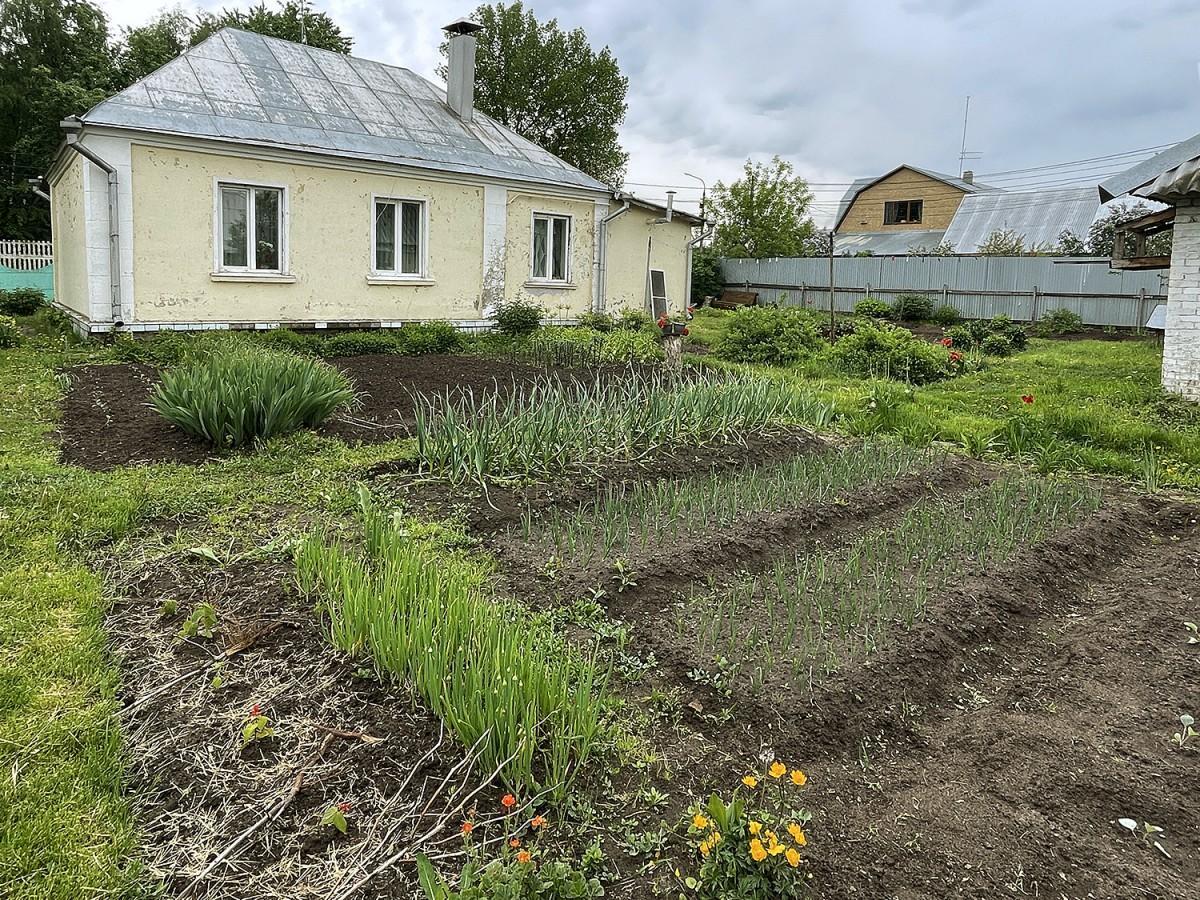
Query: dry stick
{"points": [[274, 812]]}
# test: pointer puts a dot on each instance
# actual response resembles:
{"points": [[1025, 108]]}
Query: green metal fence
{"points": [[27, 264]]}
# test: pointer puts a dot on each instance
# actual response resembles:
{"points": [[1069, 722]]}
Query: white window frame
{"points": [[534, 278], [219, 266], [650, 290], [423, 240]]}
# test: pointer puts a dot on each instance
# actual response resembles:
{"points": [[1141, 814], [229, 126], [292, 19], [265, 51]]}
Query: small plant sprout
{"points": [[218, 680], [169, 609], [624, 576], [1193, 632], [257, 727], [1146, 832], [1187, 731], [201, 623], [335, 815]]}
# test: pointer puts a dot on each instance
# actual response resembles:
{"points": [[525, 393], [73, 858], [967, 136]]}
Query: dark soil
{"points": [[107, 420]]}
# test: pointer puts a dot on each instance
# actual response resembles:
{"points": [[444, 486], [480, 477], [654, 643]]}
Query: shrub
{"points": [[946, 315], [236, 395], [518, 317], [975, 334], [872, 308], [996, 345], [1007, 328], [771, 335], [886, 351], [10, 334], [707, 280], [597, 321], [634, 320], [166, 348], [291, 341], [360, 343], [913, 308], [23, 301], [1059, 321], [428, 337]]}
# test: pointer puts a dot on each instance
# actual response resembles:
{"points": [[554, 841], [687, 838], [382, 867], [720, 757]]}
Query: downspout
{"points": [[114, 222], [35, 185], [602, 294]]}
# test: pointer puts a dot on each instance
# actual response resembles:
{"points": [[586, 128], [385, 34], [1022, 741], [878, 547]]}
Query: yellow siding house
{"points": [[253, 182]]}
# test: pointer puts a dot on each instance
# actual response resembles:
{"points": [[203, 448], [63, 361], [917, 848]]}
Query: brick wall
{"points": [[1181, 344]]}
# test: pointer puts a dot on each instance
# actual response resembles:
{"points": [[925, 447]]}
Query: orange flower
{"points": [[777, 769], [515, 843], [797, 834], [508, 801], [468, 827], [793, 857], [538, 821], [799, 778], [757, 851], [523, 856]]}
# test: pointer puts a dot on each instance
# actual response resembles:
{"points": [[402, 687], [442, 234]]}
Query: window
{"points": [[551, 248], [251, 228], [398, 238], [902, 212], [658, 292]]}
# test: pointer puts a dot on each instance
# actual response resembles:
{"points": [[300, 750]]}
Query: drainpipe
{"points": [[602, 298], [35, 185], [72, 127]]}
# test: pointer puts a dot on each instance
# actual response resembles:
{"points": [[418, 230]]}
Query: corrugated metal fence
{"points": [[27, 264], [1023, 287]]}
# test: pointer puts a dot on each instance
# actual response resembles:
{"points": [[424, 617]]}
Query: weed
{"points": [[1187, 731], [257, 727], [201, 623]]}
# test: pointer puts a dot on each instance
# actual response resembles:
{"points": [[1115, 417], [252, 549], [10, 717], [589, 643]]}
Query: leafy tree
{"points": [[318, 30], [550, 87], [150, 46], [764, 213], [1003, 242], [1070, 244], [1102, 233], [55, 61], [941, 248], [707, 280]]}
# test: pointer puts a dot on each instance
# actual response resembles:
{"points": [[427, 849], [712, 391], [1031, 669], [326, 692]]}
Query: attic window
{"points": [[251, 229], [902, 212], [551, 248]]}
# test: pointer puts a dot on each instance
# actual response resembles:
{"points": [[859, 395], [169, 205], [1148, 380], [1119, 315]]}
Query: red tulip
{"points": [[1027, 398]]}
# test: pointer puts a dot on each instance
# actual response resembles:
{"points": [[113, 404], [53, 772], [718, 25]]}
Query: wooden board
{"points": [[733, 299]]}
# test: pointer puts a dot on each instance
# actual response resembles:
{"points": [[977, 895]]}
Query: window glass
{"points": [[410, 239], [385, 236], [234, 219], [560, 244], [541, 236], [266, 229]]}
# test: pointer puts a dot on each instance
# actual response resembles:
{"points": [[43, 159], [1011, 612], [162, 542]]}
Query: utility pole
{"points": [[832, 317], [703, 194]]}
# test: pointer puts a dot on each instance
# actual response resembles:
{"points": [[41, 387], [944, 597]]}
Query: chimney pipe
{"points": [[968, 176], [670, 205], [460, 70]]}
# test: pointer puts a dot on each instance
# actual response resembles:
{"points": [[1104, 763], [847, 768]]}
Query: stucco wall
{"points": [[630, 237], [1181, 339], [328, 238], [940, 203], [519, 249], [69, 236]]}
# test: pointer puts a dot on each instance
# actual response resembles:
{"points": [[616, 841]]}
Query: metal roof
{"points": [[861, 184], [1039, 216], [1149, 172], [885, 243], [247, 88]]}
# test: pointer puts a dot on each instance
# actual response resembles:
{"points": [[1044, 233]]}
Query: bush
{"points": [[634, 320], [913, 308], [872, 308], [21, 301], [291, 341], [886, 351], [946, 315], [428, 337], [163, 349], [996, 345], [771, 335], [1007, 328], [518, 317], [976, 333], [360, 343], [707, 280], [1059, 321], [10, 334], [597, 321], [236, 395]]}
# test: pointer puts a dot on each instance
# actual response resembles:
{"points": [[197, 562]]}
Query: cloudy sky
{"points": [[852, 88]]}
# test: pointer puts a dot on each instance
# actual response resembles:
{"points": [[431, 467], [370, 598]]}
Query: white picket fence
{"points": [[26, 256]]}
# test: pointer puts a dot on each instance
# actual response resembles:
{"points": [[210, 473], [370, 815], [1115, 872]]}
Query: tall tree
{"points": [[55, 61], [291, 21], [551, 87], [764, 213], [147, 47]]}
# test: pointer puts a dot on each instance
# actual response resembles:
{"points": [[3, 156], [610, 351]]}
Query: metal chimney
{"points": [[670, 205], [460, 70], [968, 176]]}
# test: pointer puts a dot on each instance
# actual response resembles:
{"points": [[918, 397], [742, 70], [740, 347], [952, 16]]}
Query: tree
{"points": [[1070, 244], [1003, 242], [764, 213], [550, 87], [318, 30], [55, 61], [941, 248], [707, 280], [153, 45], [1102, 233]]}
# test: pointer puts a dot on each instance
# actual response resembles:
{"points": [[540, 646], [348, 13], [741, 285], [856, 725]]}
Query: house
{"points": [[910, 210], [1171, 177], [254, 182]]}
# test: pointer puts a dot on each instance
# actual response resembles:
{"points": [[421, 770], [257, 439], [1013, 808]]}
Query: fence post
{"points": [[1142, 317], [803, 294], [1034, 311], [945, 294], [868, 289]]}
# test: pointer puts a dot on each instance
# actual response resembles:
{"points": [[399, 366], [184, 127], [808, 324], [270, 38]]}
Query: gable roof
{"points": [[861, 184], [1038, 216], [1166, 176], [246, 88]]}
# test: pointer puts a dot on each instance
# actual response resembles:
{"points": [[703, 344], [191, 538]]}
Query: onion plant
{"points": [[515, 691], [556, 425], [239, 394]]}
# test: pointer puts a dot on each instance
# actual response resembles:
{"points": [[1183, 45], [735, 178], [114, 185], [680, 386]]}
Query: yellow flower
{"points": [[755, 827], [775, 848], [757, 851], [799, 779], [714, 838], [777, 769], [750, 781], [793, 857], [699, 821], [704, 848], [797, 834]]}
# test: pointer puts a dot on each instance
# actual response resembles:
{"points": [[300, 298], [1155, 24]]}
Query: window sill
{"points": [[411, 280], [552, 285], [257, 277]]}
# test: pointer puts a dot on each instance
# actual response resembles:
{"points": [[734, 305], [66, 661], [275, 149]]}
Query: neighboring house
{"points": [[253, 182], [910, 210], [1171, 177]]}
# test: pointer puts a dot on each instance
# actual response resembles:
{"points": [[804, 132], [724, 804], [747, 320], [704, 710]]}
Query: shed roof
{"points": [[246, 88], [1039, 216], [885, 243], [1166, 176], [861, 184]]}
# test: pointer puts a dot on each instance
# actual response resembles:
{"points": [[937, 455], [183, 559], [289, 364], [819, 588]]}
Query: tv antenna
{"points": [[963, 153]]}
